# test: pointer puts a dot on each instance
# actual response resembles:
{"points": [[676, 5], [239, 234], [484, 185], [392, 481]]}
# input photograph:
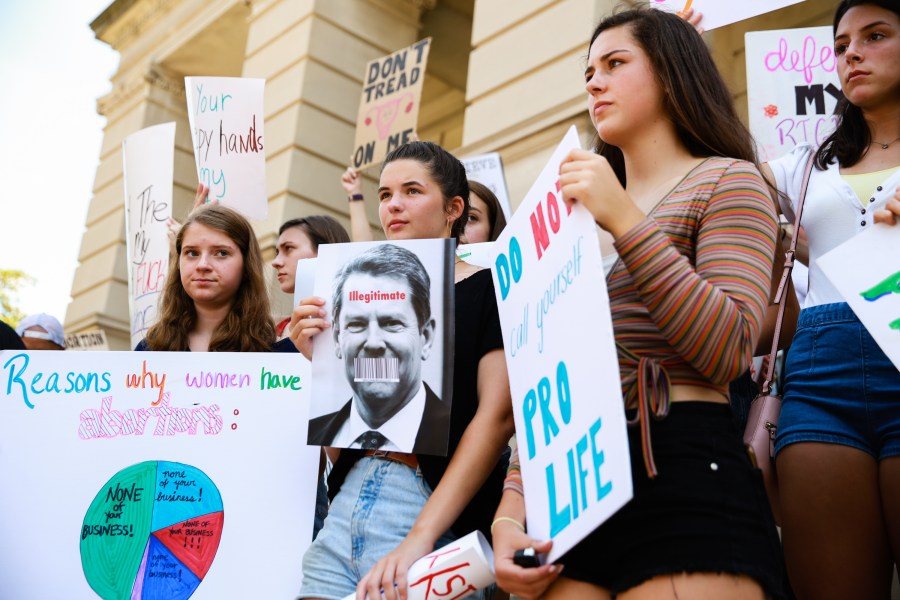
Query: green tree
{"points": [[11, 281]]}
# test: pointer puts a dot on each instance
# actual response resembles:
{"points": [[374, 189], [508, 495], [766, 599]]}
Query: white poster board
{"points": [[566, 389], [154, 474], [488, 170], [226, 117], [792, 88], [717, 13], [148, 157], [871, 287]]}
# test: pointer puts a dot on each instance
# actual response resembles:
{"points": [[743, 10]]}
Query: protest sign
{"points": [[154, 474], [87, 340], [717, 13], [226, 117], [871, 287], [487, 169], [566, 390], [453, 571], [792, 88], [386, 363], [480, 254], [389, 105], [148, 157]]}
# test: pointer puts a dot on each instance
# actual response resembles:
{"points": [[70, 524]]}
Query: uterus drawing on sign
{"points": [[387, 112]]}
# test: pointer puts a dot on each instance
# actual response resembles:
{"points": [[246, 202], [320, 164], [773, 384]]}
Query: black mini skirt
{"points": [[705, 512]]}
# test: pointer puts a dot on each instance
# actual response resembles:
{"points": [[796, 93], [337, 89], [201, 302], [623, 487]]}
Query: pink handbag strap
{"points": [[784, 285]]}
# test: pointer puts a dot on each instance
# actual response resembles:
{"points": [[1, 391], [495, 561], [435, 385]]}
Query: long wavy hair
{"points": [[851, 138], [248, 326], [695, 97]]}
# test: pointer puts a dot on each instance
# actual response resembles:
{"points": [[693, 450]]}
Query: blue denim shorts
{"points": [[839, 387], [371, 514]]}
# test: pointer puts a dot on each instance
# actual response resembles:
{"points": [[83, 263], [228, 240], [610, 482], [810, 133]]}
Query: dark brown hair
{"points": [[320, 229], [445, 169], [851, 138], [694, 95], [495, 216], [248, 326]]}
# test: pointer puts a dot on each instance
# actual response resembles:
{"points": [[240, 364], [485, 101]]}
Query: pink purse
{"points": [[762, 422]]}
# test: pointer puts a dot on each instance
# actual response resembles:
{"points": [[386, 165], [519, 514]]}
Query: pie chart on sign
{"points": [[151, 532]]}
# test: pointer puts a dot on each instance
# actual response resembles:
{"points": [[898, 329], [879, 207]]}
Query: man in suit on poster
{"points": [[383, 331]]}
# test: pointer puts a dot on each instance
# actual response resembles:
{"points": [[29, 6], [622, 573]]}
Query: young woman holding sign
{"points": [[389, 509], [689, 233], [838, 442]]}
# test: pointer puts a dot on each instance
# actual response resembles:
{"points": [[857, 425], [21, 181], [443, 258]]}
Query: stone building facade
{"points": [[502, 76]]}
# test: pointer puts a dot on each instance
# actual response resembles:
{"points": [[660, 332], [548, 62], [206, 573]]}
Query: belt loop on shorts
{"points": [[653, 394], [403, 458]]}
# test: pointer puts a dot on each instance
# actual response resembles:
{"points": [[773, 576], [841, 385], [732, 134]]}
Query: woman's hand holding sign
{"points": [[891, 210], [308, 319]]}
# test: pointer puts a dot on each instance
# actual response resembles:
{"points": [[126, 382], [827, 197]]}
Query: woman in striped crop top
{"points": [[692, 234]]}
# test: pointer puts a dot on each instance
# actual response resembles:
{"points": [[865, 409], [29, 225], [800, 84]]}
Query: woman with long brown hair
{"points": [[688, 241], [215, 296]]}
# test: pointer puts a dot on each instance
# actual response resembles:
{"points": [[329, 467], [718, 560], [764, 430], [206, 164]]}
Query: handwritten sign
{"points": [[566, 390], [154, 474], [717, 13], [488, 170], [871, 287], [792, 88], [148, 157], [87, 340], [454, 571], [226, 117], [389, 106]]}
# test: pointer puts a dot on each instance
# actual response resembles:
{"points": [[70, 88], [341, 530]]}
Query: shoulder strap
{"points": [[784, 286]]}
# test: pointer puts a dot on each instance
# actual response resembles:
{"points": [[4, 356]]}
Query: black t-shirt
{"points": [[477, 332]]}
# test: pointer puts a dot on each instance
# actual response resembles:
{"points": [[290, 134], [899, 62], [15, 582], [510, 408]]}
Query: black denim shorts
{"points": [[706, 511]]}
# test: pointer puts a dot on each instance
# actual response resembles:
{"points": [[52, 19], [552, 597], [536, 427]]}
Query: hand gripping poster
{"points": [[138, 475], [383, 371], [563, 368]]}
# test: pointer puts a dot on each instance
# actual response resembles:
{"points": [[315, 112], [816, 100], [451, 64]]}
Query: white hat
{"points": [[49, 324]]}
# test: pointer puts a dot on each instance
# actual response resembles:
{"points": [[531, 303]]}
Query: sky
{"points": [[53, 70]]}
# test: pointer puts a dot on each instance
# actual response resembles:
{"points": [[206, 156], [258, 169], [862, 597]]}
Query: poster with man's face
{"points": [[383, 372]]}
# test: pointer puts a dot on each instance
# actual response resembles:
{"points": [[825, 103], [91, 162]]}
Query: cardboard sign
{"points": [[717, 13], [154, 474], [566, 389], [389, 105], [148, 157], [385, 365], [456, 570], [87, 340], [792, 88], [871, 287], [226, 117], [480, 254], [487, 169]]}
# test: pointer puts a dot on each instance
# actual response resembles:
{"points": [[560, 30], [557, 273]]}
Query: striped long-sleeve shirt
{"points": [[691, 285]]}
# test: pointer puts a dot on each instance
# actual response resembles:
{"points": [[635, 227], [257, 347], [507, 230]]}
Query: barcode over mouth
{"points": [[376, 369]]}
